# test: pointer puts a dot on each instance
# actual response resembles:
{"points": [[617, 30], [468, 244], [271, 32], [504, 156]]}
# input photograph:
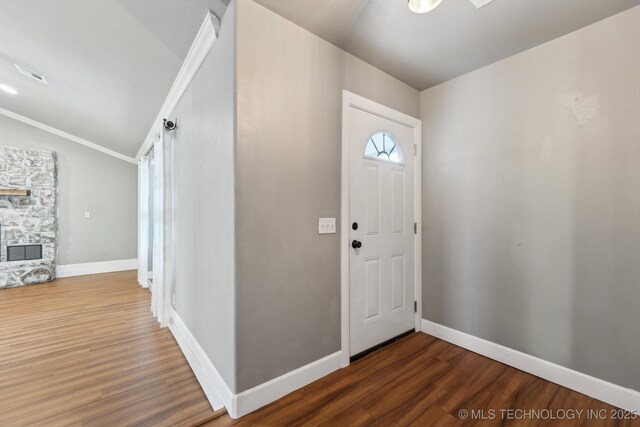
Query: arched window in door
{"points": [[383, 146]]}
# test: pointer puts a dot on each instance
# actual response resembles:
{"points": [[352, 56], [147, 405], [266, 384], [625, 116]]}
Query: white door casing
{"points": [[380, 279]]}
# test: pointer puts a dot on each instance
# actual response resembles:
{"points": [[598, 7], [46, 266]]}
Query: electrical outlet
{"points": [[327, 226], [87, 214]]}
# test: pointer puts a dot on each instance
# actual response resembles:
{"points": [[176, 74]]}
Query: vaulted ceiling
{"points": [[454, 39], [110, 63]]}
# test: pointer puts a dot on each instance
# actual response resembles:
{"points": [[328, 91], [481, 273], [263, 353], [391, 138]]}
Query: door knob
{"points": [[356, 244]]}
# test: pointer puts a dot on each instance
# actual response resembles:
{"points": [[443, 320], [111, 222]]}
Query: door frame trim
{"points": [[351, 100]]}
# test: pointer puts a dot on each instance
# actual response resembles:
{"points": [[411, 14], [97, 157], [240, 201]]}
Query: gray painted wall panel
{"points": [[88, 181], [531, 201], [288, 175], [203, 148]]}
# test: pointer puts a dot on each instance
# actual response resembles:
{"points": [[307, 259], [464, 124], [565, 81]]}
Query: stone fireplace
{"points": [[28, 216]]}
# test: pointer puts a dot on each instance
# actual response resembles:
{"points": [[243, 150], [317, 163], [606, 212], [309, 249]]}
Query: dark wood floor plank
{"points": [[419, 381], [86, 351]]}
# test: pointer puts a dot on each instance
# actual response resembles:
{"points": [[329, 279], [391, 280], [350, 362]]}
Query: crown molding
{"points": [[199, 50], [65, 135]]}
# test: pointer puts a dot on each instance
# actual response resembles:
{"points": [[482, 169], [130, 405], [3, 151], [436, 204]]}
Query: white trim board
{"points": [[263, 394], [351, 100], [65, 135], [71, 270], [238, 405], [198, 52], [214, 387], [613, 394]]}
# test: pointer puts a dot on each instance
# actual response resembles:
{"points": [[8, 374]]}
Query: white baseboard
{"points": [[71, 270], [238, 405], [214, 387], [613, 394], [263, 394]]}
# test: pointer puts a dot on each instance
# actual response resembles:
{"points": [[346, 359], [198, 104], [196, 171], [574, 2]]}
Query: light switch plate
{"points": [[327, 226], [87, 214]]}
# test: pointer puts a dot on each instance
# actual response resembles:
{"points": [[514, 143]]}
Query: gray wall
{"points": [[288, 175], [531, 201], [203, 151], [88, 180]]}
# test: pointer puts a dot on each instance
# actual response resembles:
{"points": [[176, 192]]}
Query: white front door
{"points": [[381, 226]]}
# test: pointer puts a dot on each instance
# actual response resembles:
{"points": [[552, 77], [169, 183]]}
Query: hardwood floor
{"points": [[86, 351], [423, 381]]}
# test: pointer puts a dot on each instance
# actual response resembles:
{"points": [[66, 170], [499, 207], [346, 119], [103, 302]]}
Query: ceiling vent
{"points": [[480, 3], [27, 72]]}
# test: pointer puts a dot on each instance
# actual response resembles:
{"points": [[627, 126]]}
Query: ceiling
{"points": [[111, 63], [454, 39]]}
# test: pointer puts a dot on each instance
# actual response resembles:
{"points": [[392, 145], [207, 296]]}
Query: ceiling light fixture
{"points": [[423, 6], [8, 89]]}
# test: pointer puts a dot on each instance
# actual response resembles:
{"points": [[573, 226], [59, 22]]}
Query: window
{"points": [[382, 146]]}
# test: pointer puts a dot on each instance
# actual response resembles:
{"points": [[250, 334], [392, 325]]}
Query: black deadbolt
{"points": [[356, 244], [354, 225]]}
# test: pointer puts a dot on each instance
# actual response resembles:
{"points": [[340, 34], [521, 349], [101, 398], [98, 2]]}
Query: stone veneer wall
{"points": [[28, 219]]}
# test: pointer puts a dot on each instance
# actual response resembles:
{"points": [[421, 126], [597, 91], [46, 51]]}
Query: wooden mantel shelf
{"points": [[14, 192]]}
